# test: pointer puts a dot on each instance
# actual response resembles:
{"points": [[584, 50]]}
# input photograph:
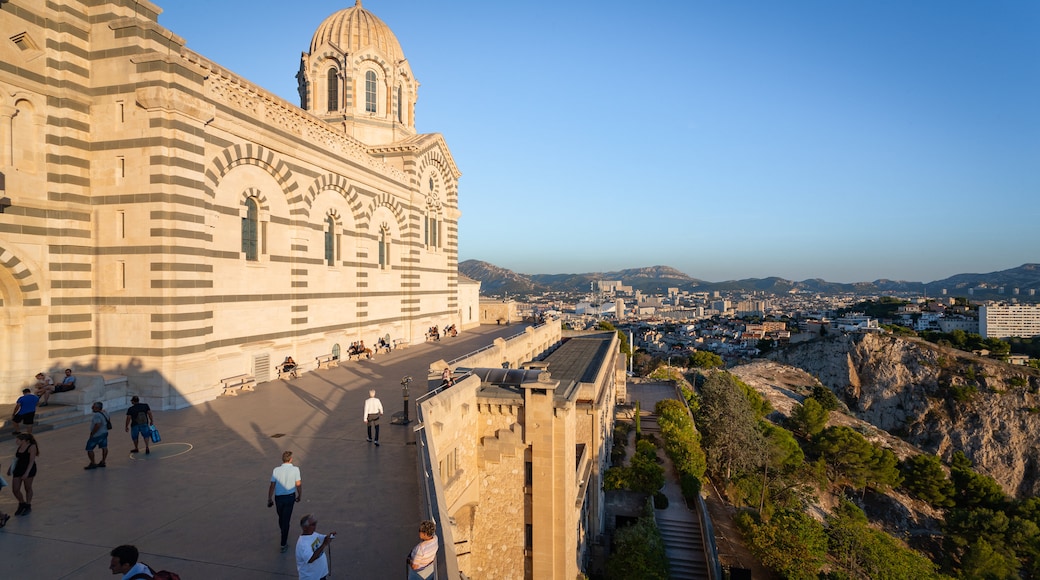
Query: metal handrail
{"points": [[490, 346]]}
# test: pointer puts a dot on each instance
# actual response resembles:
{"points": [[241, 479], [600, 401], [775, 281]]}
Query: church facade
{"points": [[164, 219]]}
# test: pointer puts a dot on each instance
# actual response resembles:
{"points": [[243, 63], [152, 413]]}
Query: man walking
{"points": [[25, 411], [139, 418], [312, 563], [285, 490], [373, 412], [98, 436]]}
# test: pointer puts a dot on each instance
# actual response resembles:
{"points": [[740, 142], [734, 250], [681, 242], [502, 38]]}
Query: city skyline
{"points": [[802, 140]]}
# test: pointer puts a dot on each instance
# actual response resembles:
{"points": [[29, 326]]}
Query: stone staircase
{"points": [[679, 526], [684, 546], [53, 416]]}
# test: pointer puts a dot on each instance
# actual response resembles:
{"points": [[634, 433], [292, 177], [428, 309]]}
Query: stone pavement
{"points": [[197, 504]]}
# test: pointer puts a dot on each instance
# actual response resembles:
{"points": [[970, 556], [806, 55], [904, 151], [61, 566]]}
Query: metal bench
{"points": [[232, 385]]}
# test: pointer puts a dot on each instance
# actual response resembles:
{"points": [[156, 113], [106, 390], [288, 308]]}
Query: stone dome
{"points": [[355, 28]]}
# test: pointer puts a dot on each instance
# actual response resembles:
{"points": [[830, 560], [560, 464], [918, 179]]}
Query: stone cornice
{"points": [[229, 89]]}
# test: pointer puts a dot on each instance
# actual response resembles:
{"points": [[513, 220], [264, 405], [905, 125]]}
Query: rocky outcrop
{"points": [[935, 398]]}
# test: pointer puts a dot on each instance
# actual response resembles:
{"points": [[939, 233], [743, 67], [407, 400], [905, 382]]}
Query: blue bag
{"points": [[155, 435]]}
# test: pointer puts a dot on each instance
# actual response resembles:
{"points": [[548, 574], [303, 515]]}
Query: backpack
{"points": [[141, 418]]}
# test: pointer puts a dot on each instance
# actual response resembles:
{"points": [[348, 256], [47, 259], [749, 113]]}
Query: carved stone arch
{"points": [[25, 290], [387, 201], [249, 154], [318, 62], [433, 162], [261, 200], [341, 185], [363, 57]]}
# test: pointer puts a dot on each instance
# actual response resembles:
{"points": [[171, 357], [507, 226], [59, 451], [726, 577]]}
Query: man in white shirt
{"points": [[373, 412], [312, 563], [285, 490]]}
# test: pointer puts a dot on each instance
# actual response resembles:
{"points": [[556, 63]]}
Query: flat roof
{"points": [[579, 358]]}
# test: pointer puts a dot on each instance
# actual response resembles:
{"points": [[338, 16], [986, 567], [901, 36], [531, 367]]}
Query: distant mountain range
{"points": [[496, 281]]}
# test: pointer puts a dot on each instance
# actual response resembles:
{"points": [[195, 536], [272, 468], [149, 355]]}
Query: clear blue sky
{"points": [[848, 141]]}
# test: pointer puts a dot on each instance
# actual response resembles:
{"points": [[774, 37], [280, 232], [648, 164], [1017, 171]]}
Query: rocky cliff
{"points": [[938, 399]]}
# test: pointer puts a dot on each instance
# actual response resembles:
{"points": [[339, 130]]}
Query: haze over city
{"points": [[803, 139]]}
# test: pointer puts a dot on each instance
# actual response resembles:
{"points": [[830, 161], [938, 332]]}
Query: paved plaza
{"points": [[197, 504]]}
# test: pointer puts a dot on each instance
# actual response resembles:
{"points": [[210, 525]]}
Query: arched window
{"points": [[251, 230], [333, 90], [384, 248], [331, 241], [370, 92], [400, 106]]}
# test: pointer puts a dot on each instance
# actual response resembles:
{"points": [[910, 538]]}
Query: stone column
{"points": [[7, 113]]}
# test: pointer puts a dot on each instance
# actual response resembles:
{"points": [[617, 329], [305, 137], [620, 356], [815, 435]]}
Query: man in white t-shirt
{"points": [[312, 563], [285, 490], [372, 414]]}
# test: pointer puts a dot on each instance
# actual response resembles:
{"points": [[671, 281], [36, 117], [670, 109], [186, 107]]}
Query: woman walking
{"points": [[24, 472]]}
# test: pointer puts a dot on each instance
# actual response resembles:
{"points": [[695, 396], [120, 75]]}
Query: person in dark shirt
{"points": [[139, 418]]}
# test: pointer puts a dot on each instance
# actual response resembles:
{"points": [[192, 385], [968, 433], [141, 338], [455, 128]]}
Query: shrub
{"points": [[691, 488], [638, 552], [660, 501]]}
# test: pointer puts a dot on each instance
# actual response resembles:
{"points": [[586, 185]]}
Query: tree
{"points": [[981, 561], [791, 542], [809, 418], [825, 397], [703, 359], [863, 552], [976, 490], [853, 459], [730, 435], [924, 478]]}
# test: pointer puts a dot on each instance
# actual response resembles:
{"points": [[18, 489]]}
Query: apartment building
{"points": [[1007, 320]]}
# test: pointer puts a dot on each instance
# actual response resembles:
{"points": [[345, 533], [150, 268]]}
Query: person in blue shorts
{"points": [[98, 436], [139, 423]]}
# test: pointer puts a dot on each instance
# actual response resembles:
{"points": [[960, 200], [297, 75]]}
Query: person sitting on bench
{"points": [[289, 366], [67, 384]]}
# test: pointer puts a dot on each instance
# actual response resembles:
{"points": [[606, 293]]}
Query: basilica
{"points": [[164, 220]]}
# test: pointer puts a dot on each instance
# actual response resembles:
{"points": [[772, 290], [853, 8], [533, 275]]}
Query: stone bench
{"points": [[232, 385], [326, 361], [290, 374], [110, 390], [358, 355]]}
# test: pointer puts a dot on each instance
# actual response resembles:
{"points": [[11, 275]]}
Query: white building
{"points": [[1003, 321]]}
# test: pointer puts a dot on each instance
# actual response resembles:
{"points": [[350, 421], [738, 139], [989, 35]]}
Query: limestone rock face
{"points": [[938, 399]]}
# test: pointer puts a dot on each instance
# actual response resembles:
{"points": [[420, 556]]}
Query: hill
{"points": [[657, 279]]}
